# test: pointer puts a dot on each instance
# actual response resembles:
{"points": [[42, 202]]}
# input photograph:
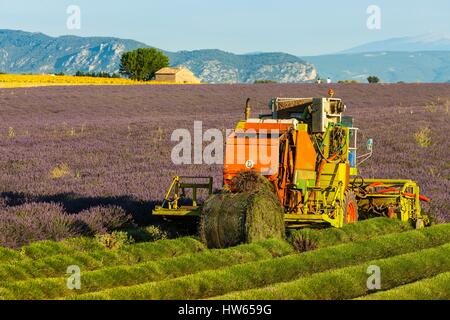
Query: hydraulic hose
{"points": [[391, 189]]}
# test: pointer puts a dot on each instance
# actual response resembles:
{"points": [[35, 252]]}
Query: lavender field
{"points": [[85, 147]]}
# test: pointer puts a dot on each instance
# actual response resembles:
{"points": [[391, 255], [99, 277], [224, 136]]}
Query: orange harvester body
{"points": [[266, 146]]}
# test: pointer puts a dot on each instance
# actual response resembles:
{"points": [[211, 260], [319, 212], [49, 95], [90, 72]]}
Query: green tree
{"points": [[263, 81], [142, 64], [373, 79]]}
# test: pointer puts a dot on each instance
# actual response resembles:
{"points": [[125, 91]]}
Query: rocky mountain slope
{"points": [[25, 52]]}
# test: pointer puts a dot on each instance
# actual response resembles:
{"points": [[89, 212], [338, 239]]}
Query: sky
{"points": [[241, 26]]}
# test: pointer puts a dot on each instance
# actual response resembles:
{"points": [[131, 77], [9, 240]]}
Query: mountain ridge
{"points": [[36, 52], [424, 42], [26, 52], [389, 66]]}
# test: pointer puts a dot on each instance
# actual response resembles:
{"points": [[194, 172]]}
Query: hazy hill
{"points": [[26, 52], [425, 42], [424, 66]]}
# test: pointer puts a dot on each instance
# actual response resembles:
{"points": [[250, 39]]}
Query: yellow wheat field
{"points": [[21, 81]]}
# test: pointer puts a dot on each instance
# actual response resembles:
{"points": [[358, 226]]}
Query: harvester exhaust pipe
{"points": [[248, 109]]}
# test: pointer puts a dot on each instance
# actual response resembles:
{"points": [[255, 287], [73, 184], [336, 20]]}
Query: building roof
{"points": [[169, 70]]}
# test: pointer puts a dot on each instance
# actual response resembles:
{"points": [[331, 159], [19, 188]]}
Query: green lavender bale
{"points": [[229, 219], [436, 288]]}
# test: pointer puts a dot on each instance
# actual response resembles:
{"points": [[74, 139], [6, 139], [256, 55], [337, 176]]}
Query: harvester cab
{"points": [[308, 150]]}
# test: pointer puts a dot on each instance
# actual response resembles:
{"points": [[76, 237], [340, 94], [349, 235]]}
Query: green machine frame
{"points": [[177, 191]]}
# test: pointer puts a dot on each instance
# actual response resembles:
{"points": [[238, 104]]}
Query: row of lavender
{"points": [[30, 222]]}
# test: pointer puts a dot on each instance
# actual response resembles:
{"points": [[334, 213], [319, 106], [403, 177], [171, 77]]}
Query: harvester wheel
{"points": [[350, 207]]}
